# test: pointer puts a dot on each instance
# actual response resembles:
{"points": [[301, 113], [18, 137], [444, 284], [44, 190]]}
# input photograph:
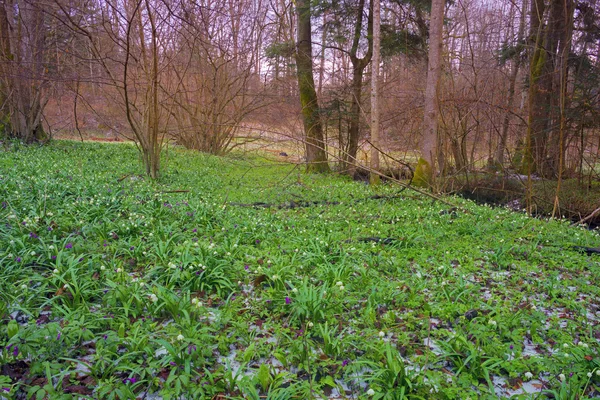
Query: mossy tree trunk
{"points": [[550, 27], [426, 168], [316, 156]]}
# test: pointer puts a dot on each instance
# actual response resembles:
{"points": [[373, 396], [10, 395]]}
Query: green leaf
{"points": [[264, 376], [12, 329]]}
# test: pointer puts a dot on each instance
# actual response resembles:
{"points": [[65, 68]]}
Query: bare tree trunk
{"points": [[24, 73], [153, 165], [501, 149], [375, 145], [316, 156], [426, 169], [358, 67], [322, 60], [4, 54]]}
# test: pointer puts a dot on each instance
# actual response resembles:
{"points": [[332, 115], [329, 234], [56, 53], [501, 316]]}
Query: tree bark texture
{"points": [[551, 25], [375, 145], [316, 156], [426, 168], [23, 70], [358, 67]]}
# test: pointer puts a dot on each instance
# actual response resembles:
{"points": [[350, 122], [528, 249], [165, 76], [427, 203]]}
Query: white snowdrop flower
{"points": [[12, 242], [196, 244], [598, 372], [528, 375], [562, 377], [199, 304], [275, 277], [142, 284], [56, 271], [567, 355], [153, 298], [51, 247], [339, 283], [566, 345], [24, 286], [589, 374], [294, 290], [370, 392], [102, 268], [381, 334], [342, 288], [180, 337], [310, 324], [228, 253], [492, 322], [119, 270], [195, 301]]}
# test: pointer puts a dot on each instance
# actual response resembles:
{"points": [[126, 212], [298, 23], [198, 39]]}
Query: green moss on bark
{"points": [[423, 174]]}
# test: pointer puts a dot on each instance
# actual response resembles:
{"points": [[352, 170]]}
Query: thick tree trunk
{"points": [[23, 71], [426, 169], [563, 31], [316, 156], [551, 43], [538, 99]]}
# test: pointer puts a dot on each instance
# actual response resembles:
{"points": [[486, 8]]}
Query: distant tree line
{"points": [[508, 85]]}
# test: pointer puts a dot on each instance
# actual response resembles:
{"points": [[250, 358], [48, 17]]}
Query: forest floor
{"points": [[242, 277]]}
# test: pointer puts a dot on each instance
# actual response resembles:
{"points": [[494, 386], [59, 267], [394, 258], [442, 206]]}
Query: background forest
{"points": [[518, 89]]}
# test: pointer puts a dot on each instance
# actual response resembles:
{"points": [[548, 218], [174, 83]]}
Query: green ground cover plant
{"points": [[238, 277]]}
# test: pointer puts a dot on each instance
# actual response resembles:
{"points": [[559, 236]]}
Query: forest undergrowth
{"points": [[242, 277]]}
